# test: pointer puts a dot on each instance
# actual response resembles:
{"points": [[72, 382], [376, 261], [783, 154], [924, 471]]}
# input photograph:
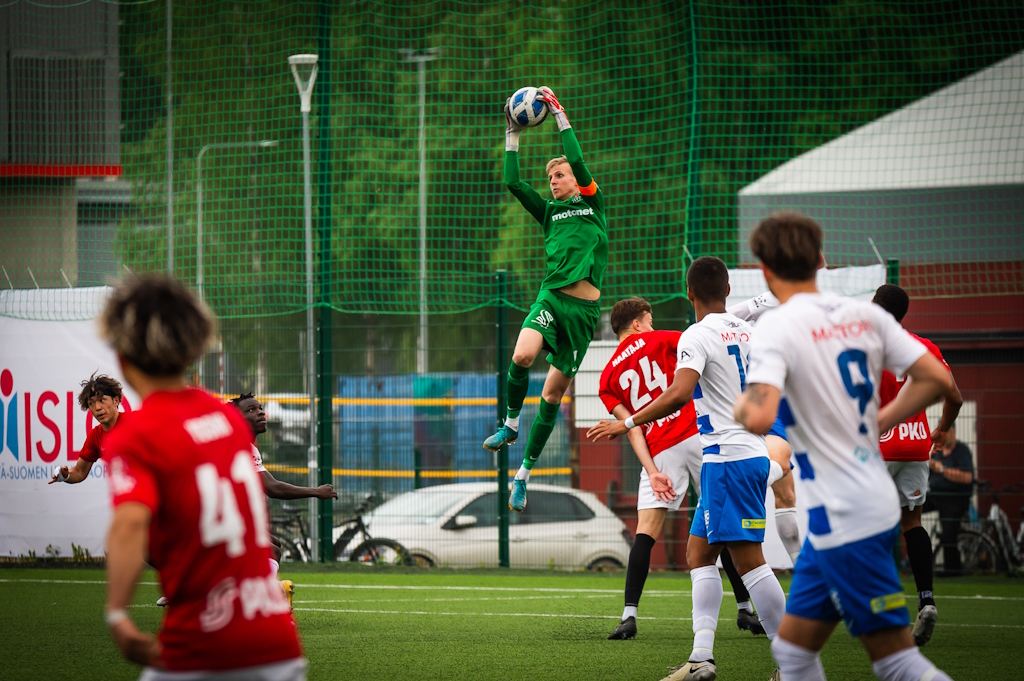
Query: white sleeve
{"points": [[690, 352], [768, 363], [257, 459], [901, 349], [750, 310]]}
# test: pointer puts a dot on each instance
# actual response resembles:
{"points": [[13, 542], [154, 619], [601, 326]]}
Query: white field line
{"points": [[487, 589]]}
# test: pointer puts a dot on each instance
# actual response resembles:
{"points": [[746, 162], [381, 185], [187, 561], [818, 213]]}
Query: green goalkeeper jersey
{"points": [[575, 230]]}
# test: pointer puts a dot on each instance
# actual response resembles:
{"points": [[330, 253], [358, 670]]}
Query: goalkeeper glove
{"points": [[557, 109], [512, 130]]}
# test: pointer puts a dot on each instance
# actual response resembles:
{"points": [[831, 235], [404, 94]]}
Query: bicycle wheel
{"points": [[381, 552], [978, 553], [290, 551]]}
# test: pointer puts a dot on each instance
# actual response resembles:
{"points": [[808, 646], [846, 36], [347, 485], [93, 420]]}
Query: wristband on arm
{"points": [[629, 423]]}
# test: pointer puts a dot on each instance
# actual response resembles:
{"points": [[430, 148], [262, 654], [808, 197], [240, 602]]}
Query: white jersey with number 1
{"points": [[717, 347], [826, 354]]}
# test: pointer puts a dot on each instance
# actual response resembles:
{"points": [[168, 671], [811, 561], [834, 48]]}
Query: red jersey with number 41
{"points": [[642, 368], [912, 439], [188, 458]]}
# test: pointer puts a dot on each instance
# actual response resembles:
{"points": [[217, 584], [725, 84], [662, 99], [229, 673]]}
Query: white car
{"points": [[457, 526]]}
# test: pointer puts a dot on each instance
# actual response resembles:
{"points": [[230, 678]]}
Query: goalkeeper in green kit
{"points": [[567, 309]]}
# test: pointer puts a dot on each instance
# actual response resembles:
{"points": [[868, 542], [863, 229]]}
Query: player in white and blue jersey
{"points": [[711, 364], [826, 354], [777, 442]]}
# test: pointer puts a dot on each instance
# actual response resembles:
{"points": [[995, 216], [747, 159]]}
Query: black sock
{"points": [[639, 566], [742, 595], [919, 552]]}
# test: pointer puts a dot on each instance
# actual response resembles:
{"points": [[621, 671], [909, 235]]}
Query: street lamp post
{"points": [[306, 100], [421, 59], [262, 144]]}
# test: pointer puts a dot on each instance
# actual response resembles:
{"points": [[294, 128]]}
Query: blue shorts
{"points": [[778, 429], [856, 582], [731, 506]]}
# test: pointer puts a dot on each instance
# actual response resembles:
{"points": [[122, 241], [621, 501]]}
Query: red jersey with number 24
{"points": [[188, 458], [641, 369], [912, 439]]}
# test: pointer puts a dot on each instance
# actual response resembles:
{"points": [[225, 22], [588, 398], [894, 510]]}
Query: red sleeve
{"points": [[934, 349], [91, 449], [132, 478], [608, 398]]}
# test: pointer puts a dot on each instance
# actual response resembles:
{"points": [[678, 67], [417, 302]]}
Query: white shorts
{"points": [[911, 478], [680, 462], [289, 670]]}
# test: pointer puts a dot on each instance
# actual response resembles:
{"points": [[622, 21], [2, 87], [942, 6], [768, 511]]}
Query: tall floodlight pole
{"points": [[306, 99], [421, 59], [170, 148], [262, 144]]}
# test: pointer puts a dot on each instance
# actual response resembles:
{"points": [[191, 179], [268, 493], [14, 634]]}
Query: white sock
{"points": [[774, 472], [908, 665], [274, 567], [768, 597], [745, 605], [512, 423], [523, 474], [707, 602], [628, 611], [785, 523], [796, 662]]}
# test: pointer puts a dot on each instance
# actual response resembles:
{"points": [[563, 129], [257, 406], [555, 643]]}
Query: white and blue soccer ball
{"points": [[527, 108]]}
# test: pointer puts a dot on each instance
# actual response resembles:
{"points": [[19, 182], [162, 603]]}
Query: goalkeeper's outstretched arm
{"points": [[526, 194], [571, 146]]}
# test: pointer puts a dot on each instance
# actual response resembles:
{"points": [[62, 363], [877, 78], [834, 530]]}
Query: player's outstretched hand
{"points": [[554, 106], [938, 439], [326, 492], [609, 429], [60, 476], [135, 646], [661, 485], [512, 129]]}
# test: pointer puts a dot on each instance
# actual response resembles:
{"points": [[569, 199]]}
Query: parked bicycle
{"points": [[990, 545], [290, 529]]}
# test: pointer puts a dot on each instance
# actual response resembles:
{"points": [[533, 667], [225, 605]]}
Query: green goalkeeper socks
{"points": [[515, 391], [540, 431]]}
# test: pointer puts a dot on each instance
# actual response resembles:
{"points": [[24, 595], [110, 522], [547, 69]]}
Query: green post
{"points": [[892, 271], [417, 467], [324, 361], [501, 366], [693, 235]]}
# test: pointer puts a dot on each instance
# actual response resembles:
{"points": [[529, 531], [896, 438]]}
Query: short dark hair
{"points": [[789, 244], [625, 311], [893, 300], [237, 401], [98, 386], [157, 324], [708, 279]]}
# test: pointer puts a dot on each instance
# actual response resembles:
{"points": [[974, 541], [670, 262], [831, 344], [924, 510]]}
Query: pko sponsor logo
{"points": [[572, 213], [36, 426]]}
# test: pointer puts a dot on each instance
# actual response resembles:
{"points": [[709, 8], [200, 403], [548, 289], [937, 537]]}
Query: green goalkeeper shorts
{"points": [[567, 325]]}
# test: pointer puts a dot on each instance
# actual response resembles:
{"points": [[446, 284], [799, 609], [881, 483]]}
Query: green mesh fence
{"points": [[684, 112]]}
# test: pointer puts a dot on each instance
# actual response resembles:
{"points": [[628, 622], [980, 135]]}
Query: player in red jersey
{"points": [[669, 450], [252, 411], [101, 395], [185, 493], [906, 449]]}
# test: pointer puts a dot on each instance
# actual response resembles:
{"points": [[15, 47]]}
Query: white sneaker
{"points": [[162, 601], [776, 675], [925, 625], [694, 671]]}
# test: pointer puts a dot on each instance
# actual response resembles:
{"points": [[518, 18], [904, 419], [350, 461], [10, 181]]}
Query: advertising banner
{"points": [[42, 426]]}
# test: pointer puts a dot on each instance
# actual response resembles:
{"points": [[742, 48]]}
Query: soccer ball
{"points": [[527, 108]]}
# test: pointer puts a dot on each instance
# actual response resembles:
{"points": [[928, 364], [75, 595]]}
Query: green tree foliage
{"points": [[677, 105]]}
